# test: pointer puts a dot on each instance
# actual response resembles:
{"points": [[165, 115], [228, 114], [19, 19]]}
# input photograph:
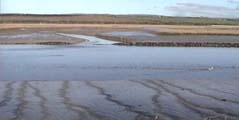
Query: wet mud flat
{"points": [[119, 100], [126, 34], [107, 82], [96, 80], [149, 38], [37, 37]]}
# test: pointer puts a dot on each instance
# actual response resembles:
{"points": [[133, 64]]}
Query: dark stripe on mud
{"points": [[200, 94], [43, 100], [156, 102], [82, 111], [19, 111], [7, 94], [141, 115], [221, 91], [192, 106], [180, 100]]}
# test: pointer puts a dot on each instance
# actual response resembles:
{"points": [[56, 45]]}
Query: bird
{"points": [[211, 69]]}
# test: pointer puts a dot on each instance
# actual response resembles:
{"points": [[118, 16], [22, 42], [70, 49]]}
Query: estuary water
{"points": [[100, 60]]}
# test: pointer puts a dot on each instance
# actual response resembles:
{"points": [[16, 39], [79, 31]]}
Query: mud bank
{"points": [[174, 40], [171, 44], [119, 100], [132, 35], [38, 37]]}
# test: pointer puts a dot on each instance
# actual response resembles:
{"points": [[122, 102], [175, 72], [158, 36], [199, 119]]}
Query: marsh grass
{"points": [[113, 19]]}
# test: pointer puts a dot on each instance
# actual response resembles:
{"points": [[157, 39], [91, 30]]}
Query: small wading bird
{"points": [[211, 68]]}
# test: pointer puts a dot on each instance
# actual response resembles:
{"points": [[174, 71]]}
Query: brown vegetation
{"points": [[158, 29], [197, 30], [113, 19], [98, 29]]}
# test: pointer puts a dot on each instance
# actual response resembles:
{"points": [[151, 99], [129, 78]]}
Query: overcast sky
{"points": [[193, 8]]}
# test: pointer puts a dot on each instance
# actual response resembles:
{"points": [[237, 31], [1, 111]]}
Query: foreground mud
{"points": [[119, 100]]}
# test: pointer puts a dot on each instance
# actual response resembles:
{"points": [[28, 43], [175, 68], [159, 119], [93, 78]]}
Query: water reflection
{"points": [[116, 62]]}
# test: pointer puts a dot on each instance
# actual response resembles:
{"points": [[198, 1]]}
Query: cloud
{"points": [[199, 10], [233, 1]]}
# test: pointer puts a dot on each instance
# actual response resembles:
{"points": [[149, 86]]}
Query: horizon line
{"points": [[107, 14]]}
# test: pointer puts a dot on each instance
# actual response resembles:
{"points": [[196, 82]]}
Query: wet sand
{"points": [[119, 100]]}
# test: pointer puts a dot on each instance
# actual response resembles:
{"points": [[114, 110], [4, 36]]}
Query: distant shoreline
{"points": [[165, 35], [155, 29], [113, 19]]}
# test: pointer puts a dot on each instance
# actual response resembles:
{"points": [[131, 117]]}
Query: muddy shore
{"points": [[132, 35], [102, 81], [176, 40], [37, 37], [119, 100], [118, 83]]}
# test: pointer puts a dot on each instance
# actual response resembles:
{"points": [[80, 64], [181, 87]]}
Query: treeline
{"points": [[113, 19]]}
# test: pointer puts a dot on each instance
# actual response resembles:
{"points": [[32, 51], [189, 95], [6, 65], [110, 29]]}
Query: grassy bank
{"points": [[155, 29], [113, 19]]}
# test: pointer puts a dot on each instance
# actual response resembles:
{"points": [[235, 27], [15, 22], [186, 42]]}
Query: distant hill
{"points": [[113, 19]]}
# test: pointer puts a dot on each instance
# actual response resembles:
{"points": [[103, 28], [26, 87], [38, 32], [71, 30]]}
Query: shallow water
{"points": [[130, 33], [90, 39], [109, 62], [32, 36]]}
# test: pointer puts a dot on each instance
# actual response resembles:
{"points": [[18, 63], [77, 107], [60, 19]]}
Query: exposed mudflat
{"points": [[119, 100], [143, 36], [149, 38], [107, 82], [97, 80], [38, 37], [137, 35]]}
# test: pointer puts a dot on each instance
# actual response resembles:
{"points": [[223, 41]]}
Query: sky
{"points": [[188, 8]]}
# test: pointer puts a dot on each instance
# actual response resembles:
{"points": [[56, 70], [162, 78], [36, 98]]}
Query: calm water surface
{"points": [[109, 62]]}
